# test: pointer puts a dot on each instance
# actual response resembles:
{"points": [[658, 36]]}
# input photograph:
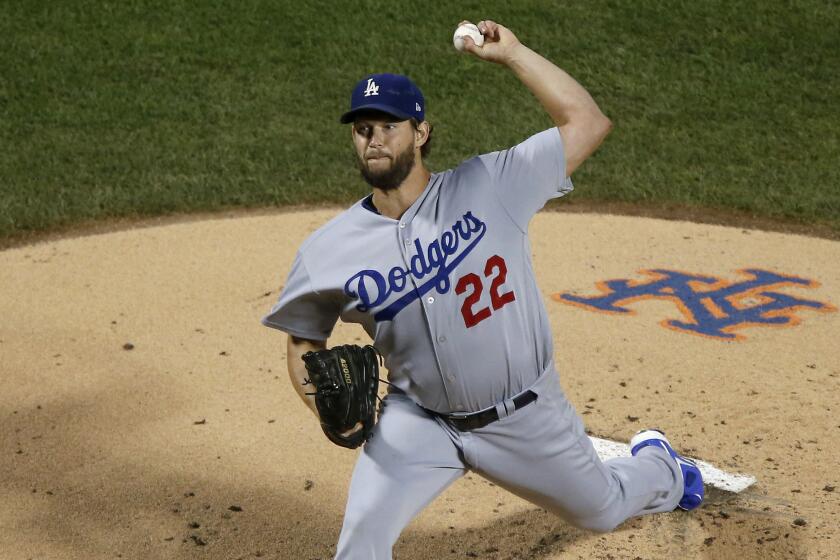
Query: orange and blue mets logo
{"points": [[711, 306]]}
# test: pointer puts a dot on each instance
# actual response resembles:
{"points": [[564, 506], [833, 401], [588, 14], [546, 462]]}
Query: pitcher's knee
{"points": [[601, 523], [599, 520]]}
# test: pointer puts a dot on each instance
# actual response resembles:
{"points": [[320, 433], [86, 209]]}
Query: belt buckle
{"points": [[457, 418]]}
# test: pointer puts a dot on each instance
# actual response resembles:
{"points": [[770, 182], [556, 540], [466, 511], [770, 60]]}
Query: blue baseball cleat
{"points": [[692, 479]]}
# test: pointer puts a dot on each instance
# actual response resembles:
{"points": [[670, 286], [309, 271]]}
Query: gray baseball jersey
{"points": [[447, 292], [448, 295]]}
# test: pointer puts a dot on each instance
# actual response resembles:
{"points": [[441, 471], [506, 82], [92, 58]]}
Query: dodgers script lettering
{"points": [[431, 264]]}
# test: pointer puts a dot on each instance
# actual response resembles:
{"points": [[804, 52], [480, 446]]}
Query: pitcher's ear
{"points": [[422, 131]]}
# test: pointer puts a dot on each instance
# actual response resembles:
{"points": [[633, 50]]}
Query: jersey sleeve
{"points": [[301, 311], [529, 174]]}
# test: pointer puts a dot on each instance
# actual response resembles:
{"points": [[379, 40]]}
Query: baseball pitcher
{"points": [[437, 269]]}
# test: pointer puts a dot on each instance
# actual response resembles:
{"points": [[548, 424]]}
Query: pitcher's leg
{"points": [[408, 461], [552, 463]]}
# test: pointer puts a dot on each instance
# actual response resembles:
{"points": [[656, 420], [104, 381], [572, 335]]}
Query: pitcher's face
{"points": [[386, 149]]}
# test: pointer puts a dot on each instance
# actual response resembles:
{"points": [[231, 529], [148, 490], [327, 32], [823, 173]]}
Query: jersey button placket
{"points": [[449, 380]]}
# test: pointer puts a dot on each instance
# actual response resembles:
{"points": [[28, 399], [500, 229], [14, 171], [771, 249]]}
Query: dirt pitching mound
{"points": [[146, 413]]}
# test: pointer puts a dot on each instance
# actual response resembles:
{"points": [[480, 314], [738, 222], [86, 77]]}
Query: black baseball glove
{"points": [[346, 380]]}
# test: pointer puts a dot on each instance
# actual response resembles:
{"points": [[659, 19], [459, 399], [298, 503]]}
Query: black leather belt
{"points": [[476, 420]]}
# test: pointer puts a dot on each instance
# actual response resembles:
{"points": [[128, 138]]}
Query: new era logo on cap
{"points": [[390, 93]]}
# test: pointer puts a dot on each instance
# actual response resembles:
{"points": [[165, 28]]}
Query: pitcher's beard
{"points": [[392, 177]]}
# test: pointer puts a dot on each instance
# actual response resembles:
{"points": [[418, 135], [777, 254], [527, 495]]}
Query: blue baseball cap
{"points": [[391, 93]]}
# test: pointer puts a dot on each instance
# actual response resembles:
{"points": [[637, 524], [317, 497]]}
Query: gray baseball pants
{"points": [[540, 453]]}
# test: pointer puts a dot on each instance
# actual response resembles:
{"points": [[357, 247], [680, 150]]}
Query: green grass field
{"points": [[148, 107]]}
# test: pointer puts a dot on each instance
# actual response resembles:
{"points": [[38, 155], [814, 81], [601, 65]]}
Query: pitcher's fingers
{"points": [[469, 44], [489, 28]]}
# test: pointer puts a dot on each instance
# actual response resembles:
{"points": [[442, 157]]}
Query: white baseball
{"points": [[467, 30]]}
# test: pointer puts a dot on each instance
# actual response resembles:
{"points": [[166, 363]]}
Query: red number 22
{"points": [[497, 300]]}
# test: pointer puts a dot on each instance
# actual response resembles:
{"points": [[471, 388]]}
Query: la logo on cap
{"points": [[372, 88], [417, 107]]}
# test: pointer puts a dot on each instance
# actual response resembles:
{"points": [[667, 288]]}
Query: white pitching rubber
{"points": [[712, 476]]}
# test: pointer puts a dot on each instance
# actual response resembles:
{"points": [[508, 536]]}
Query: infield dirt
{"points": [[146, 413]]}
